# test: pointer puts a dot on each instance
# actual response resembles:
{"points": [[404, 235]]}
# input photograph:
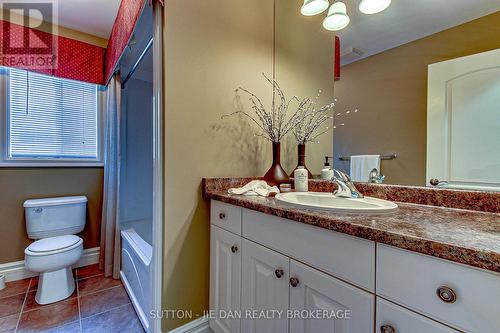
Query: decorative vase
{"points": [[301, 159], [276, 175]]}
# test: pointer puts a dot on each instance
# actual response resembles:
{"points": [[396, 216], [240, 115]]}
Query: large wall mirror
{"points": [[304, 63], [424, 77]]}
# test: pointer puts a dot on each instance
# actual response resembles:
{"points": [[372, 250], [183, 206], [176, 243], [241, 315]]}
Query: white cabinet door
{"points": [[393, 318], [463, 122], [225, 279], [264, 291], [332, 305]]}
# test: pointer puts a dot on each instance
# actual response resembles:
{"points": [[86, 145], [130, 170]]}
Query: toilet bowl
{"points": [[52, 257], [52, 222]]}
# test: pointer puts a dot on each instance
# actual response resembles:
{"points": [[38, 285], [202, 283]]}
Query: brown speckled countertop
{"points": [[469, 237]]}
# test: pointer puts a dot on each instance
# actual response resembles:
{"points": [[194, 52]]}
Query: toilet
{"points": [[53, 222]]}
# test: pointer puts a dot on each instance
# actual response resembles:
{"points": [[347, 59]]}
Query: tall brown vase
{"points": [[276, 175], [301, 160]]}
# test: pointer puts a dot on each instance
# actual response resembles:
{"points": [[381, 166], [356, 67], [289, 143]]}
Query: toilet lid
{"points": [[53, 243]]}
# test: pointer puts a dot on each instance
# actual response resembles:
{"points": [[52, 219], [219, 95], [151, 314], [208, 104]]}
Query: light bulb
{"points": [[373, 6], [337, 18], [314, 7]]}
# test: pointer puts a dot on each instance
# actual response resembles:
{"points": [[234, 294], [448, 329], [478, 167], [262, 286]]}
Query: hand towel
{"points": [[361, 165], [255, 188]]}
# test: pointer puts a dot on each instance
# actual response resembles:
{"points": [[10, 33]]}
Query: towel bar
{"points": [[382, 157]]}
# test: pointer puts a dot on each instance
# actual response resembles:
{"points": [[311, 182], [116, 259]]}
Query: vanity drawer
{"points": [[392, 318], [415, 280], [349, 258], [226, 216]]}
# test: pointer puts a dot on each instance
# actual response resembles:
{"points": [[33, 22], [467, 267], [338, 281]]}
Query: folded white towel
{"points": [[361, 165], [255, 188]]}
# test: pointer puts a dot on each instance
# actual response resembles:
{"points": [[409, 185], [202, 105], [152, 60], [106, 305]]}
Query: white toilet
{"points": [[54, 221]]}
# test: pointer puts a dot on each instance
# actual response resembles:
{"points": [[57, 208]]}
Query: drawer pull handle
{"points": [[222, 216], [279, 273], [234, 249], [446, 294], [387, 329], [294, 282]]}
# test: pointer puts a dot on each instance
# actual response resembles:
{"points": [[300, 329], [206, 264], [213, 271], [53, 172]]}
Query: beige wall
{"points": [[210, 49], [390, 90], [304, 65], [61, 31], [19, 184]]}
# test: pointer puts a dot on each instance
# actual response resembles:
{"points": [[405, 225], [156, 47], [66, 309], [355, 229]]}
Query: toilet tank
{"points": [[51, 217]]}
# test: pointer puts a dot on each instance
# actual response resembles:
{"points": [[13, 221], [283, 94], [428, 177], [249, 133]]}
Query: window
{"points": [[50, 120]]}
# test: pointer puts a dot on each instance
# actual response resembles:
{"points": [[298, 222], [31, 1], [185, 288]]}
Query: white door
{"points": [[393, 318], [225, 279], [463, 122], [333, 305], [264, 291]]}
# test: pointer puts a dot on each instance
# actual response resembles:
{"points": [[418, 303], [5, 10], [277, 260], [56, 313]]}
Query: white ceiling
{"points": [[405, 21], [94, 17]]}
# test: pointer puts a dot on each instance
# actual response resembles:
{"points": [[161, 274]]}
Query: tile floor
{"points": [[98, 304]]}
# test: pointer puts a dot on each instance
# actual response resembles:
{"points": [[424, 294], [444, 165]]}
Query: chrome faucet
{"points": [[376, 177], [345, 187]]}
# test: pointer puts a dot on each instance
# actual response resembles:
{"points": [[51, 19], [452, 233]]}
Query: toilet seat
{"points": [[53, 245]]}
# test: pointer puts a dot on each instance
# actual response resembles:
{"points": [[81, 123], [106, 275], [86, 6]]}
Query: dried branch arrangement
{"points": [[307, 123], [339, 114], [275, 123], [311, 121]]}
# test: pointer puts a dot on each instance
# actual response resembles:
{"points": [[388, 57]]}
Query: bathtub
{"points": [[136, 266]]}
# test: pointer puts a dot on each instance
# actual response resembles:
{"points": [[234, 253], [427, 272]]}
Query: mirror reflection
{"points": [[418, 93]]}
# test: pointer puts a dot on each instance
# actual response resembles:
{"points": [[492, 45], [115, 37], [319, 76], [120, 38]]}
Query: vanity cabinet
{"points": [[225, 216], [392, 318], [297, 297], [349, 258], [313, 290], [457, 295], [265, 275], [225, 278], [268, 266]]}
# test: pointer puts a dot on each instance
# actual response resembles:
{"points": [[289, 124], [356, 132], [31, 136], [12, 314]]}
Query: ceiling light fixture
{"points": [[337, 18], [314, 7], [373, 6]]}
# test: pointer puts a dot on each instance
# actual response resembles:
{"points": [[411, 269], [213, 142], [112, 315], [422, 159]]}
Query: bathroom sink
{"points": [[327, 201]]}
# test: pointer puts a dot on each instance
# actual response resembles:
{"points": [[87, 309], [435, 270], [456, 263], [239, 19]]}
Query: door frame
{"points": [[158, 168]]}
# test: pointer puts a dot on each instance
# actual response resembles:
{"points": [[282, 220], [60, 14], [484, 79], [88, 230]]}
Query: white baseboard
{"points": [[199, 325], [16, 271], [89, 257]]}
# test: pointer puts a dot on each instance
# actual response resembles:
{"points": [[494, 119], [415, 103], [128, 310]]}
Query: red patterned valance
{"points": [[125, 21], [42, 52]]}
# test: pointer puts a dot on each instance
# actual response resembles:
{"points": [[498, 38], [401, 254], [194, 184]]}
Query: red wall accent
{"points": [[73, 59], [336, 66]]}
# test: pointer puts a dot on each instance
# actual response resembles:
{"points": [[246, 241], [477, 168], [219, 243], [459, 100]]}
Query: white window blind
{"points": [[50, 117]]}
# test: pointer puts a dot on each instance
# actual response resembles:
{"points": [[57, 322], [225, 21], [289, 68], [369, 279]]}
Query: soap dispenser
{"points": [[327, 171]]}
